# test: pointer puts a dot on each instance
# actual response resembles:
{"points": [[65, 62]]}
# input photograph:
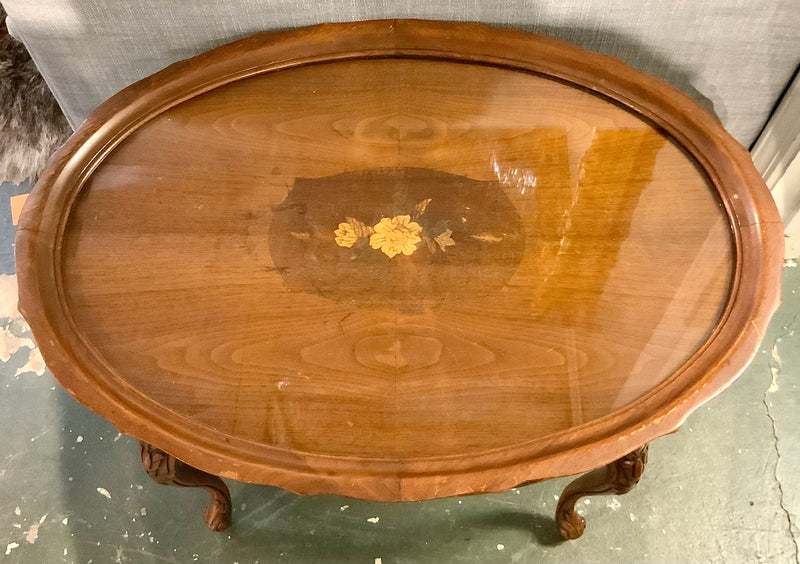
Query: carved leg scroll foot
{"points": [[616, 478], [167, 470]]}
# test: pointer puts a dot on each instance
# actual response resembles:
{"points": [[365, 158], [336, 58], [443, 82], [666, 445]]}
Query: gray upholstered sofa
{"points": [[735, 57]]}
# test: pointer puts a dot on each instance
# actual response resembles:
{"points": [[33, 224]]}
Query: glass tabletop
{"points": [[397, 258]]}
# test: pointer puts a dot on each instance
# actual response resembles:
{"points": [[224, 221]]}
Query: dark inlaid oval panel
{"points": [[399, 238]]}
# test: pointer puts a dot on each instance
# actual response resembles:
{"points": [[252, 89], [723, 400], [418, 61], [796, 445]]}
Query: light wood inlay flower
{"points": [[396, 235], [351, 231]]}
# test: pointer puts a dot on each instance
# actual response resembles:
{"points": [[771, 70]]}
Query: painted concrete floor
{"points": [[726, 488]]}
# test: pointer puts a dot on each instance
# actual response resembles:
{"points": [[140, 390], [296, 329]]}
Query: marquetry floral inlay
{"points": [[351, 231], [444, 239], [393, 235], [396, 235]]}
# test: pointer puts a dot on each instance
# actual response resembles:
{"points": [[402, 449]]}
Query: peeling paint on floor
{"points": [[34, 364], [15, 335], [32, 534], [775, 369]]}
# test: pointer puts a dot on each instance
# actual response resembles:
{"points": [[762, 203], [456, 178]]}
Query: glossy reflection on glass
{"points": [[388, 249]]}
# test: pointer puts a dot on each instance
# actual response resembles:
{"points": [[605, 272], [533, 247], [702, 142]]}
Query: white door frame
{"points": [[776, 155]]}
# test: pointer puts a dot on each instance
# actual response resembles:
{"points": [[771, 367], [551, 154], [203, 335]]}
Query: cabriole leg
{"points": [[616, 478], [167, 470]]}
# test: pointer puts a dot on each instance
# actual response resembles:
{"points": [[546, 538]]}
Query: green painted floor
{"points": [[726, 488]]}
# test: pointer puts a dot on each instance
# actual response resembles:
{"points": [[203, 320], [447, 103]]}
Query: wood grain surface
{"points": [[398, 260]]}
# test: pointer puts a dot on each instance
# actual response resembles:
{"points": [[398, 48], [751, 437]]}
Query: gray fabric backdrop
{"points": [[736, 56]]}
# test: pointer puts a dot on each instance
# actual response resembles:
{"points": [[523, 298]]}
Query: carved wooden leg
{"points": [[167, 470], [616, 478]]}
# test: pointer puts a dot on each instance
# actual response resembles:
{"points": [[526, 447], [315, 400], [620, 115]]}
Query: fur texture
{"points": [[32, 125]]}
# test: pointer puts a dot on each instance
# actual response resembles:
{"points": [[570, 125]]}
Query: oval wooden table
{"points": [[398, 260]]}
